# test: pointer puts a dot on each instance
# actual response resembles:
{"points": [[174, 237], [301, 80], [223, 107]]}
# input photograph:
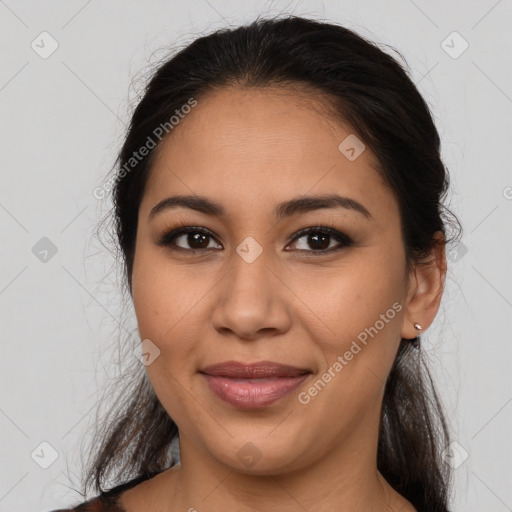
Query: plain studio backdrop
{"points": [[65, 85]]}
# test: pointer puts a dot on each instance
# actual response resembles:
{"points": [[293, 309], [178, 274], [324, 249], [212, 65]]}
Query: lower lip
{"points": [[252, 393]]}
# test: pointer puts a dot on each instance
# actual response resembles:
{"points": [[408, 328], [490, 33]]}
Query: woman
{"points": [[278, 204]]}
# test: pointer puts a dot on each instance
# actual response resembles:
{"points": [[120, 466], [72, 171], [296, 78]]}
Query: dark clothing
{"points": [[108, 501]]}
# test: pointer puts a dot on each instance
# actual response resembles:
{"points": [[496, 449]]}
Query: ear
{"points": [[425, 289]]}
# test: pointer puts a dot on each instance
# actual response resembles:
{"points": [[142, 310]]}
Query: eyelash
{"points": [[167, 239]]}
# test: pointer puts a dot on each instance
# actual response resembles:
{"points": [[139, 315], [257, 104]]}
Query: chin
{"points": [[260, 457]]}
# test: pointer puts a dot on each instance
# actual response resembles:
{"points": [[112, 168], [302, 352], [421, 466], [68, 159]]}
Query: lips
{"points": [[261, 370], [255, 385]]}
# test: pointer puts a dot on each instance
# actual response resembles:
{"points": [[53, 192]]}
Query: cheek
{"points": [[163, 295], [348, 298], [358, 314], [362, 309], [164, 308], [168, 299], [165, 316]]}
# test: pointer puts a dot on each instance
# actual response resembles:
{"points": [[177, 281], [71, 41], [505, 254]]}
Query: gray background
{"points": [[63, 118]]}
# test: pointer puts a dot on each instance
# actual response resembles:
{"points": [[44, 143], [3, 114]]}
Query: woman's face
{"points": [[253, 290]]}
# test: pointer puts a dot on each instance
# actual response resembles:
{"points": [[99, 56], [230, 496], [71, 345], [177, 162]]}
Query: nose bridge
{"points": [[249, 300], [250, 276]]}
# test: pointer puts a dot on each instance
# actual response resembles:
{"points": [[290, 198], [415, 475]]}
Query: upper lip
{"points": [[262, 369]]}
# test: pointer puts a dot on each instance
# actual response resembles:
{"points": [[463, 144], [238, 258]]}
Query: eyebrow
{"points": [[286, 209]]}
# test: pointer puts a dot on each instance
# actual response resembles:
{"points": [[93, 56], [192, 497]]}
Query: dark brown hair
{"points": [[372, 92]]}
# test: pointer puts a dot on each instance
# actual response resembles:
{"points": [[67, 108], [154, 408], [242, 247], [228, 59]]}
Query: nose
{"points": [[252, 301]]}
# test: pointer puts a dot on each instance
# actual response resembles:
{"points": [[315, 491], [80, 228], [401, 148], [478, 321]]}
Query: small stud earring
{"points": [[418, 327]]}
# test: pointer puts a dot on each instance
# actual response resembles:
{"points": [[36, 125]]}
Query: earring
{"points": [[416, 341]]}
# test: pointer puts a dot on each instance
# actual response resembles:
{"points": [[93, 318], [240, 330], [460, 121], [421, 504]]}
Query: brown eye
{"points": [[188, 239], [195, 240], [322, 240]]}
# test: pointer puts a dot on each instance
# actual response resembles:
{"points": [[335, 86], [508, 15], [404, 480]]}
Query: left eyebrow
{"points": [[310, 203], [286, 209]]}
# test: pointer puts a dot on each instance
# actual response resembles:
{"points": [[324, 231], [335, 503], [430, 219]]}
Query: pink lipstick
{"points": [[253, 385]]}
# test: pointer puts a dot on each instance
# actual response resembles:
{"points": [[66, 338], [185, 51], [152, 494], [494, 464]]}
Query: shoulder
{"points": [[108, 501], [98, 504]]}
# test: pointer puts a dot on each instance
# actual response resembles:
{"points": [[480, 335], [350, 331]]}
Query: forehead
{"points": [[245, 146]]}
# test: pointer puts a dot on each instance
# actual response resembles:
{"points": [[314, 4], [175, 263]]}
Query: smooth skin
{"points": [[249, 150]]}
